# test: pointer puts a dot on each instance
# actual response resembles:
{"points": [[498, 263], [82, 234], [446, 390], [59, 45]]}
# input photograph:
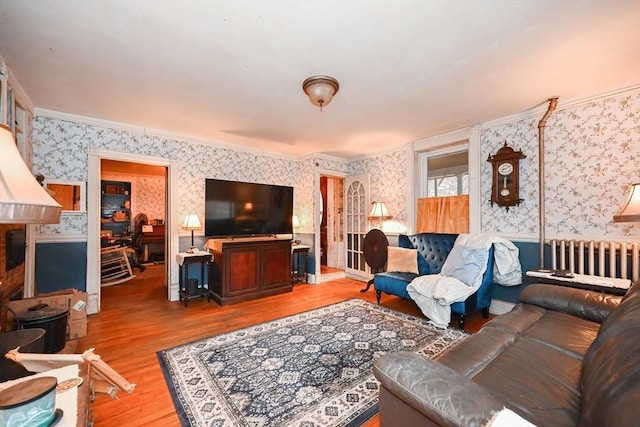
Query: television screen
{"points": [[234, 208]]}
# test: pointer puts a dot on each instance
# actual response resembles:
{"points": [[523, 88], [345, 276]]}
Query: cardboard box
{"points": [[72, 299], [77, 329]]}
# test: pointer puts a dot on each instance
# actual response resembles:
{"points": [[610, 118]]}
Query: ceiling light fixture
{"points": [[320, 90]]}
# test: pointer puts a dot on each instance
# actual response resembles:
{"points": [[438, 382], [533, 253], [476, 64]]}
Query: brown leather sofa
{"points": [[561, 357]]}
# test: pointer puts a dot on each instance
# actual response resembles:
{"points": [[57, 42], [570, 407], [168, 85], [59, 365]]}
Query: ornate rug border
{"points": [[361, 418]]}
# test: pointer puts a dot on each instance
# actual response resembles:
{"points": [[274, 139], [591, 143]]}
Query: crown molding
{"points": [[538, 110], [397, 148], [417, 145], [323, 156], [139, 130]]}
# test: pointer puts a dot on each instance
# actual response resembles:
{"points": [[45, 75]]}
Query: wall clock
{"points": [[505, 187]]}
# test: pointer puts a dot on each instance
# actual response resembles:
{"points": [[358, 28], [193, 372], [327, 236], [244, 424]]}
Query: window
{"points": [[447, 175]]}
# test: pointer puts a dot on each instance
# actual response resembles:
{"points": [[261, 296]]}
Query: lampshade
{"points": [[22, 199], [379, 211], [295, 221], [320, 89], [191, 222], [630, 211]]}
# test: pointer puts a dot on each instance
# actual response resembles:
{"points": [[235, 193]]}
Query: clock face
{"points": [[505, 169]]}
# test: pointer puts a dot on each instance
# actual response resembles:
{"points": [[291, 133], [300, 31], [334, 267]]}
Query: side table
{"points": [[606, 285], [187, 287], [299, 259]]}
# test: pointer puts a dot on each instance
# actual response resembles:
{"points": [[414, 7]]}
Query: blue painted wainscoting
{"points": [[529, 259], [61, 266]]}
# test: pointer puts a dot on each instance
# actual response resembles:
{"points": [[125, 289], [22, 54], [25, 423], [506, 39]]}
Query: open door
{"points": [[356, 208]]}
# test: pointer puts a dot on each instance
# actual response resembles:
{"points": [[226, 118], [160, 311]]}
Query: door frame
{"points": [[317, 218], [93, 221], [471, 137]]}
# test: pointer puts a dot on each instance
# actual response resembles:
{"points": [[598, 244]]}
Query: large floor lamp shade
{"points": [[630, 210], [22, 199]]}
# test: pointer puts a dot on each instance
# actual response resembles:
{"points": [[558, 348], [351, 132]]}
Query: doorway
{"points": [[170, 269], [331, 213], [332, 225], [141, 223]]}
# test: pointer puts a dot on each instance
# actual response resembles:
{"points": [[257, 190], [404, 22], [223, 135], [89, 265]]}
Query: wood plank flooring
{"points": [[136, 321]]}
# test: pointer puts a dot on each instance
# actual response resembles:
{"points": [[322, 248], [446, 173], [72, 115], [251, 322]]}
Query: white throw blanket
{"points": [[434, 293], [506, 268]]}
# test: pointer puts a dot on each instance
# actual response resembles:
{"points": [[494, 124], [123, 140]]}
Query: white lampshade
{"points": [[22, 199], [630, 211], [191, 222], [379, 211]]}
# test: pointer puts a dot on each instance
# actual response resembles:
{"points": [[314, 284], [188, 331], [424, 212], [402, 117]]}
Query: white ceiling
{"points": [[231, 71]]}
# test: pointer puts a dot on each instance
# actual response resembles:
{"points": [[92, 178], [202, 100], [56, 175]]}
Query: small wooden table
{"points": [[201, 289], [299, 260]]}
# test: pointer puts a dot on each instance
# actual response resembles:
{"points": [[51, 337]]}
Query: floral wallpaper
{"points": [[147, 194], [592, 155], [389, 181], [61, 151]]}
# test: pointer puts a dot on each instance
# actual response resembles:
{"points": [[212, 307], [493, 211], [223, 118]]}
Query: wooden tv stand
{"points": [[249, 268]]}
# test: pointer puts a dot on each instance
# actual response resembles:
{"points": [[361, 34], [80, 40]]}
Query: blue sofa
{"points": [[433, 249]]}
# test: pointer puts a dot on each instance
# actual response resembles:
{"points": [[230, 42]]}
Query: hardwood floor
{"points": [[136, 321]]}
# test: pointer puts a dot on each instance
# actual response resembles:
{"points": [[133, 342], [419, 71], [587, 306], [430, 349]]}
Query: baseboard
{"points": [[330, 276], [500, 307]]}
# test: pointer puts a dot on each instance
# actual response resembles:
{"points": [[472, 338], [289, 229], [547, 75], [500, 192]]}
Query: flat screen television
{"points": [[234, 208]]}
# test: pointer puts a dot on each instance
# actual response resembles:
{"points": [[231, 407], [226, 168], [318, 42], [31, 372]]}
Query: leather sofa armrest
{"points": [[589, 305], [442, 395]]}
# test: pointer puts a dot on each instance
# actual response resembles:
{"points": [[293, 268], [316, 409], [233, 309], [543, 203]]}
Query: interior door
{"points": [[356, 205]]}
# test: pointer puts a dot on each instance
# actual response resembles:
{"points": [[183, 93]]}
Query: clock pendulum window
{"points": [[505, 188]]}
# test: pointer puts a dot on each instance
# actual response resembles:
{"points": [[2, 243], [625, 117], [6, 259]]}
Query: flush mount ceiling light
{"points": [[320, 89]]}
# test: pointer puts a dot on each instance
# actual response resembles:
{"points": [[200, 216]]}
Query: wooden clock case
{"points": [[505, 187]]}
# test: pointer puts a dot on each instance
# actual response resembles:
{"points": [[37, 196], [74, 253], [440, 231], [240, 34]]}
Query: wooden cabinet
{"points": [[245, 269]]}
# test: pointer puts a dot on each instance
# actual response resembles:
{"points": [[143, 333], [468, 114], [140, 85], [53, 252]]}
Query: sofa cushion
{"points": [[485, 346], [402, 259], [393, 282], [568, 334], [537, 381], [519, 319], [432, 247], [465, 263], [611, 369]]}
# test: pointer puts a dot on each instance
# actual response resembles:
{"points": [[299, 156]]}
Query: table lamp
{"points": [[191, 222], [379, 212], [295, 222]]}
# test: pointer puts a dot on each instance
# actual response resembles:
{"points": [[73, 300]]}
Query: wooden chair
{"points": [[114, 266]]}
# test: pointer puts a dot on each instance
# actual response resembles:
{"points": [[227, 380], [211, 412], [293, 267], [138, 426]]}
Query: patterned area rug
{"points": [[311, 369]]}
